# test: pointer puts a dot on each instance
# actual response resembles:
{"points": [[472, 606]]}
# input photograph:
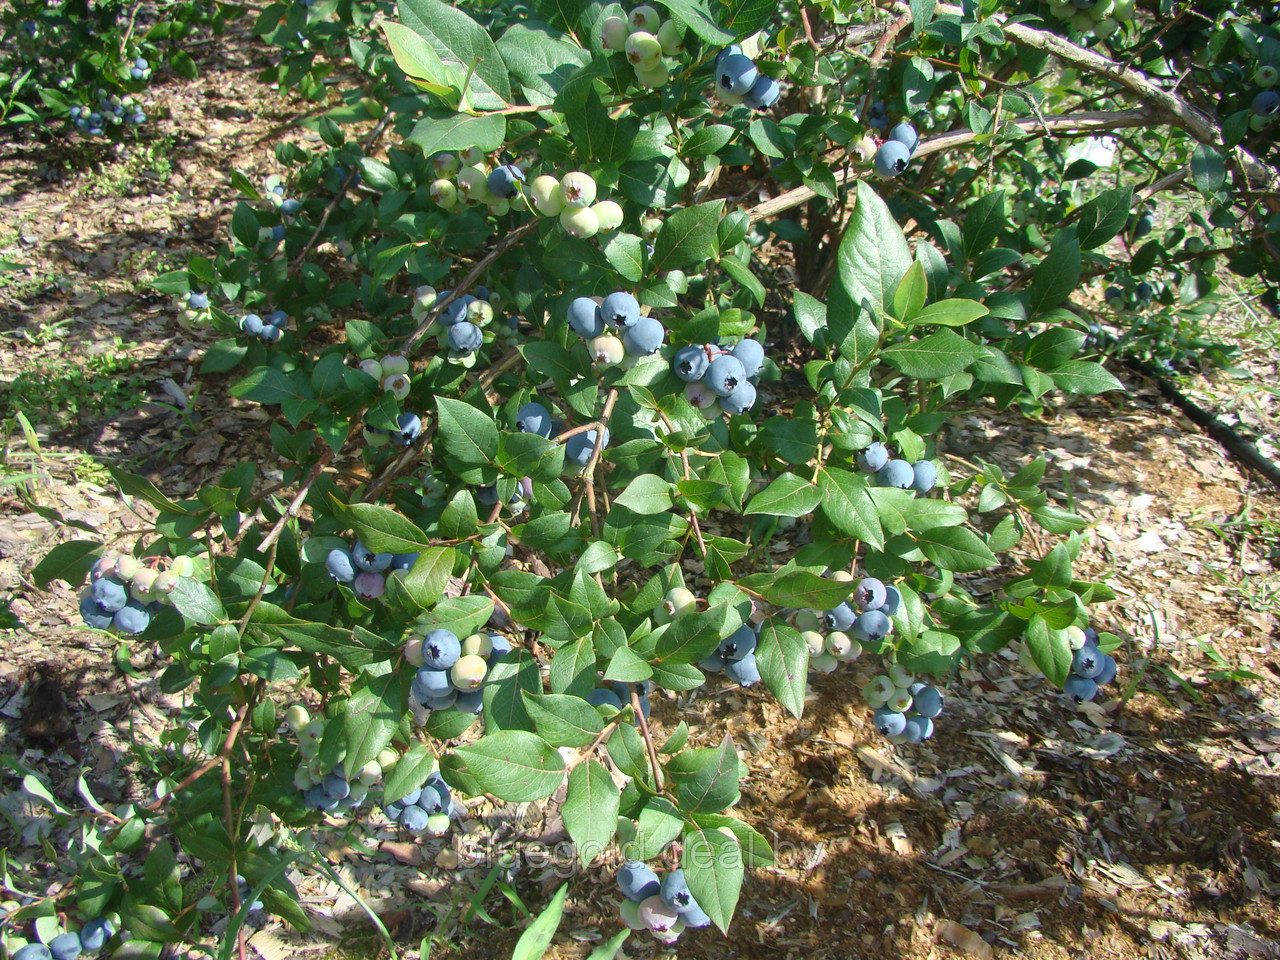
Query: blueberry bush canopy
{"points": [[528, 281]]}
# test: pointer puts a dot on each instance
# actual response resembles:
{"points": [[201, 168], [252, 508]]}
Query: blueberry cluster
{"points": [[275, 192], [329, 789], [1265, 108], [392, 373], [1100, 17], [904, 709], [572, 198], [112, 110], [125, 592], [1130, 295], [736, 657], [427, 808], [664, 907], [140, 69], [920, 476], [1090, 667], [739, 80], [645, 38], [451, 672], [363, 570], [500, 188], [866, 620], [615, 332], [896, 152], [719, 380], [90, 938], [269, 330], [459, 328]]}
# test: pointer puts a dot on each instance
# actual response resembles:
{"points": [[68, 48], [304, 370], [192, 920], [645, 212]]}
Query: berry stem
{"points": [[648, 737]]}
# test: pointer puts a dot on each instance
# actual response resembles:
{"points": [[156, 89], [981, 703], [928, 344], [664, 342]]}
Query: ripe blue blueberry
{"points": [[602, 697], [429, 684], [840, 618], [198, 301], [1108, 672], [713, 663], [456, 311], [444, 702], [341, 565], [534, 418], [487, 496], [368, 561], [501, 646], [278, 232], [435, 794], [890, 723], [33, 951], [584, 317], [869, 594], [1087, 662], [637, 882], [724, 374], [95, 934], [871, 626], [290, 207], [335, 786], [94, 616], [690, 363], [918, 729], [1266, 103], [905, 134], [579, 447], [403, 561], [440, 650], [741, 400], [675, 891], [926, 700], [1081, 688], [764, 93], [620, 310], [751, 354], [736, 74], [465, 337], [643, 338], [65, 946], [727, 51], [472, 703], [892, 158], [132, 618], [694, 916], [504, 181], [924, 476], [744, 672], [414, 819], [410, 425], [271, 334], [872, 459], [896, 473], [109, 594], [251, 323], [738, 644], [878, 115]]}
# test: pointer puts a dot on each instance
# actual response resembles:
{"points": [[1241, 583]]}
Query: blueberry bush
{"points": [[530, 363]]}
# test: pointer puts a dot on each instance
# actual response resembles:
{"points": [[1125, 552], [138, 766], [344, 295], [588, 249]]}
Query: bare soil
{"points": [[1144, 825]]}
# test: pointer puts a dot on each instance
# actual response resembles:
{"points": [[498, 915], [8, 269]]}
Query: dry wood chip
{"points": [[964, 938]]}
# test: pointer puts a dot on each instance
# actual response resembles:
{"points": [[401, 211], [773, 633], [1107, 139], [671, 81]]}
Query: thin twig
{"points": [[648, 738]]}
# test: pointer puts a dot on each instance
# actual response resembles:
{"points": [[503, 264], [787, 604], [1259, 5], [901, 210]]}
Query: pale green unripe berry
{"points": [[582, 223], [126, 568], [1062, 11], [1106, 27], [649, 228], [1075, 637], [670, 39], [814, 641], [397, 385], [423, 300], [471, 156], [371, 773], [609, 215], [413, 652], [643, 49], [807, 621], [546, 197], [444, 194], [607, 351], [143, 581], [313, 731], [1082, 21], [373, 368], [356, 793], [823, 663], [445, 164], [1258, 123], [900, 701], [1266, 76], [680, 601], [644, 18], [654, 76], [499, 206], [437, 824], [182, 566], [296, 718], [468, 673], [479, 312], [387, 759], [844, 576], [577, 190], [473, 183], [877, 692], [519, 202], [613, 33], [1123, 11], [302, 778], [866, 148], [376, 439], [901, 676], [477, 645], [840, 645], [1103, 9], [396, 363]]}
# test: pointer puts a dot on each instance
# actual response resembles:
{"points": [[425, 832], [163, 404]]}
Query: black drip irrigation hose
{"points": [[1244, 451]]}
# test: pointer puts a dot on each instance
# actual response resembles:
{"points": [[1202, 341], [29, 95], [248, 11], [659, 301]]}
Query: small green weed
{"points": [[65, 392]]}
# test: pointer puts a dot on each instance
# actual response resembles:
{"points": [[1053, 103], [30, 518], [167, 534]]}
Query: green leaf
{"points": [[957, 549], [783, 659], [848, 505], [536, 939], [1056, 276], [698, 18], [409, 773], [798, 588], [1103, 217], [455, 36], [598, 137], [1084, 377], [1050, 648], [713, 786], [687, 237], [1053, 569], [625, 253], [1054, 347], [468, 435], [692, 637], [646, 494], [788, 496], [514, 765], [541, 63], [951, 313], [713, 867], [909, 298], [563, 721], [938, 355], [505, 688], [1208, 169], [372, 718], [446, 133], [196, 602], [657, 825], [984, 220], [380, 528], [702, 142], [429, 575], [590, 810], [68, 561], [811, 316], [627, 666], [873, 255]]}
